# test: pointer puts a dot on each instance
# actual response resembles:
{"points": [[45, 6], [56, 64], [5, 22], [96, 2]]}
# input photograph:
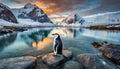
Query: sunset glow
{"points": [[45, 8], [48, 11], [42, 44]]}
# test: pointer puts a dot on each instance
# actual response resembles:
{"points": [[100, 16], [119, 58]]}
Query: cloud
{"points": [[85, 7], [58, 6], [106, 6], [23, 1]]}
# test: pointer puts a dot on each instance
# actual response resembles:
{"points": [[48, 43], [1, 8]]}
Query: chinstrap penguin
{"points": [[57, 44]]}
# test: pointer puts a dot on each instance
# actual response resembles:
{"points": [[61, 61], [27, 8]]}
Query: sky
{"points": [[62, 8]]}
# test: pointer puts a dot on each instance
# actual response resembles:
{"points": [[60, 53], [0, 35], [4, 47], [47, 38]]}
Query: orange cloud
{"points": [[48, 11], [44, 6], [39, 4]]}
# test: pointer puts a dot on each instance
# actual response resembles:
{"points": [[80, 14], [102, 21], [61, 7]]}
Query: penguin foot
{"points": [[54, 54]]}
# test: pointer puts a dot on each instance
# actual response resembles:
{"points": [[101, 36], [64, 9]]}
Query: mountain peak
{"points": [[33, 12], [30, 5], [6, 14], [73, 18]]}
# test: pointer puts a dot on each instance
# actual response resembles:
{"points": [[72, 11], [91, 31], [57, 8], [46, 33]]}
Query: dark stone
{"points": [[73, 65], [53, 61], [112, 52], [92, 61], [27, 62], [96, 44], [6, 14], [41, 64]]}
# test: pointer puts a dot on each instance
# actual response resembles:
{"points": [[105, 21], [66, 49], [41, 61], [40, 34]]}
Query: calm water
{"points": [[39, 41]]}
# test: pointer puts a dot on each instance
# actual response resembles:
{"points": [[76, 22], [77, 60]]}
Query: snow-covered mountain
{"points": [[103, 18], [6, 14], [73, 19], [31, 11]]}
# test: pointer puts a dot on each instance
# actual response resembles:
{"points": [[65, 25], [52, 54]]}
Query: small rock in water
{"points": [[73, 65], [92, 61], [53, 61], [99, 44], [27, 62], [96, 44]]}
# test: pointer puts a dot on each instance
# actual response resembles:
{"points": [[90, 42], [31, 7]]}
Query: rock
{"points": [[41, 64], [96, 44], [112, 52], [99, 44], [27, 62], [5, 31], [6, 14], [92, 61], [53, 61], [73, 65]]}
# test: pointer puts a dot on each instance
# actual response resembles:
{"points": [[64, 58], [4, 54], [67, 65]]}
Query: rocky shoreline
{"points": [[65, 61], [7, 29], [105, 27]]}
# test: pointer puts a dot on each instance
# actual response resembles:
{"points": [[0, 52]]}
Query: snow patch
{"points": [[24, 22]]}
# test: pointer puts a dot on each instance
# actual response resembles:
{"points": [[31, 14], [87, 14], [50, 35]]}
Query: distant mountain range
{"points": [[29, 11], [103, 18], [73, 19]]}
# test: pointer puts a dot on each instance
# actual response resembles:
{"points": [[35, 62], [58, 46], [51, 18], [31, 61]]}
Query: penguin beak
{"points": [[53, 34]]}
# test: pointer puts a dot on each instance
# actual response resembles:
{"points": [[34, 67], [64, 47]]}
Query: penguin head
{"points": [[56, 35]]}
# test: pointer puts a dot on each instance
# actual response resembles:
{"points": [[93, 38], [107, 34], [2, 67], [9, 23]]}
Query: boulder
{"points": [[5, 31], [53, 61], [92, 61], [41, 64], [73, 65], [96, 44], [27, 62], [6, 14], [112, 52]]}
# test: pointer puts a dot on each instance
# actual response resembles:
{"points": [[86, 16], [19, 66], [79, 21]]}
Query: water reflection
{"points": [[67, 32], [7, 40], [35, 36], [39, 41], [43, 43]]}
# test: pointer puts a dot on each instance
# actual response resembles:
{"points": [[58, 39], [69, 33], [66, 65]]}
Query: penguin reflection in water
{"points": [[57, 44]]}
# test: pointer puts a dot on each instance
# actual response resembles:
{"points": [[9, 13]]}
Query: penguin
{"points": [[57, 44]]}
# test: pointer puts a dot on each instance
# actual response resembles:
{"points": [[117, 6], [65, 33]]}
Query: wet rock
{"points": [[92, 61], [41, 64], [53, 61], [112, 52], [99, 44], [27, 62], [5, 31], [96, 44], [73, 65]]}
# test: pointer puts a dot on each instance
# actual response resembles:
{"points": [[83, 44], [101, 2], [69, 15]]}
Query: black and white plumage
{"points": [[57, 46]]}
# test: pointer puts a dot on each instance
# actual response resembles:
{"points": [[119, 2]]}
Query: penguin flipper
{"points": [[54, 48]]}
